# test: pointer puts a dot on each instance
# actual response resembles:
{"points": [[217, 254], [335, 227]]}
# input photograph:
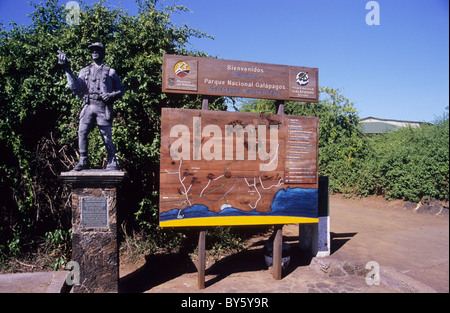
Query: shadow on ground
{"points": [[157, 270], [162, 268], [338, 240]]}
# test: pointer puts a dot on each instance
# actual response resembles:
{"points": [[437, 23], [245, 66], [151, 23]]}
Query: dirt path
{"points": [[412, 250], [374, 229]]}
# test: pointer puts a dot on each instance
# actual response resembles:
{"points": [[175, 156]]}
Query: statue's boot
{"points": [[82, 165], [112, 164]]}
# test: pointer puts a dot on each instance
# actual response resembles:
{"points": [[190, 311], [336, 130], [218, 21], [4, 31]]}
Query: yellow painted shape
{"points": [[237, 220]]}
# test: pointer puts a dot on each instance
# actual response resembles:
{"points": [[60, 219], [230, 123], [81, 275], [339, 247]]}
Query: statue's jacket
{"points": [[94, 80]]}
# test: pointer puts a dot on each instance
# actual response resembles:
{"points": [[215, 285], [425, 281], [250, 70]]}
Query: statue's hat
{"points": [[96, 45]]}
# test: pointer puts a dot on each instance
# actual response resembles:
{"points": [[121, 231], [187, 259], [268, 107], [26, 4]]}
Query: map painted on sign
{"points": [[230, 168]]}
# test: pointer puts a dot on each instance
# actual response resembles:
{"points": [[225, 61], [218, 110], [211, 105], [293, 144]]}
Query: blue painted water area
{"points": [[296, 202]]}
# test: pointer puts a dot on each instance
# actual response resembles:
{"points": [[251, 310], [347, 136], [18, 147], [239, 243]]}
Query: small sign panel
{"points": [[183, 75], [94, 212], [204, 76]]}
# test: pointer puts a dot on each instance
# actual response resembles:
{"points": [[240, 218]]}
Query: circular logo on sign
{"points": [[181, 69], [302, 78]]}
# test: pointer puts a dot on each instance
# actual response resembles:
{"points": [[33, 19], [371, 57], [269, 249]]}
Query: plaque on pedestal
{"points": [[94, 212]]}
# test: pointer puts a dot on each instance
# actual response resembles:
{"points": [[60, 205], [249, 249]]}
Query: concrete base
{"points": [[37, 282], [94, 228], [324, 239], [316, 237]]}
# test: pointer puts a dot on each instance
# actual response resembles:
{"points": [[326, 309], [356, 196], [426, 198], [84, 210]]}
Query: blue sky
{"points": [[396, 70]]}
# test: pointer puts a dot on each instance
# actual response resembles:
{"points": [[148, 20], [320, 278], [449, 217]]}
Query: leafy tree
{"points": [[39, 115], [341, 143]]}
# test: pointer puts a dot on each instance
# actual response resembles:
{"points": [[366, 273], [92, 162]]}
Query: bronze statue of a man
{"points": [[98, 85]]}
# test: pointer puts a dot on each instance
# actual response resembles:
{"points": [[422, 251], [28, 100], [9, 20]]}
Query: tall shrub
{"points": [[410, 163], [39, 115]]}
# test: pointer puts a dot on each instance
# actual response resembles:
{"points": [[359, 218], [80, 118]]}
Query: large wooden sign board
{"points": [[232, 168], [204, 76]]}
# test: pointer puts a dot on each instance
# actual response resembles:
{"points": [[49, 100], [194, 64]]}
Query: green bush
{"points": [[58, 246], [409, 163], [39, 115]]}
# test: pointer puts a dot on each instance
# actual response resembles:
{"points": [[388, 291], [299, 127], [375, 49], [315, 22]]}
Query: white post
{"points": [[316, 237]]}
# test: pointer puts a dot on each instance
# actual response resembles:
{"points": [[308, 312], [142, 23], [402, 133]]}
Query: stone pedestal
{"points": [[94, 228]]}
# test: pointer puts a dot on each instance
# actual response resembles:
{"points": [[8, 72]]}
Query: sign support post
{"points": [[277, 252], [201, 259], [278, 241], [202, 236]]}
